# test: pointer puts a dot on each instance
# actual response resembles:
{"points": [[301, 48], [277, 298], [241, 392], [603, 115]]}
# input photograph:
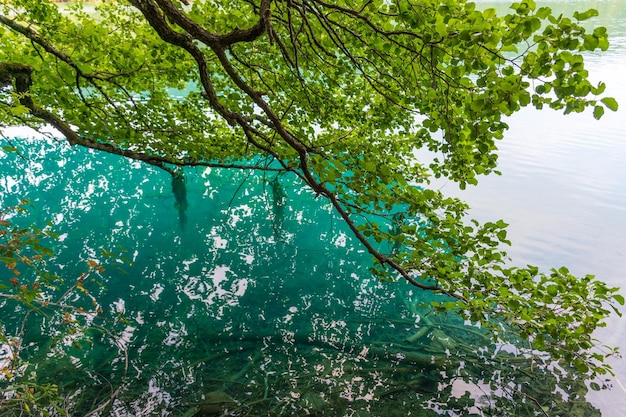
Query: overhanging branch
{"points": [[20, 76], [158, 18]]}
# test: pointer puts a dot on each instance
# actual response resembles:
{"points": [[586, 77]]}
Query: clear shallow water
{"points": [[258, 305], [274, 305], [239, 275]]}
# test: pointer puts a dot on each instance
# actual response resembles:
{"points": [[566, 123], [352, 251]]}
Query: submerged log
{"points": [[179, 188]]}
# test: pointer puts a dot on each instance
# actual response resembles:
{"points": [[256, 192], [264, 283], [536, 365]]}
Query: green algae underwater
{"points": [[238, 293]]}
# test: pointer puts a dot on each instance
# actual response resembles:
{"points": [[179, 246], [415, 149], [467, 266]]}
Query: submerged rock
{"points": [[216, 403]]}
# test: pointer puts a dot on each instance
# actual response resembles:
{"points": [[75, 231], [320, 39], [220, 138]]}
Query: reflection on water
{"points": [[261, 305], [563, 188]]}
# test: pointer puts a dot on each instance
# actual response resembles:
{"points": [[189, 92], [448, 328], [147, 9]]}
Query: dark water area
{"points": [[259, 303]]}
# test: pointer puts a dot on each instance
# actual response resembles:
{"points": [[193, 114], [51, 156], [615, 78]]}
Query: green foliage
{"points": [[31, 298], [340, 94]]}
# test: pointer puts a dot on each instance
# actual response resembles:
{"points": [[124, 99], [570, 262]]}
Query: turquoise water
{"points": [[256, 302]]}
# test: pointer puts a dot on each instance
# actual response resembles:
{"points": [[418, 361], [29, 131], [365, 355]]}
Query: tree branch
{"points": [[176, 16]]}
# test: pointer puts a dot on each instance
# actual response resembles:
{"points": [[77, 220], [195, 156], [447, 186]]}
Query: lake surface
{"points": [[563, 188], [260, 300]]}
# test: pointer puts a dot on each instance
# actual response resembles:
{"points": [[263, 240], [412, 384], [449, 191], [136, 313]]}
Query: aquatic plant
{"points": [[47, 323]]}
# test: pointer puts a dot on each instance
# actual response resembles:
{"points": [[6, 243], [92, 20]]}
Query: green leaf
{"points": [[19, 110], [449, 305], [585, 15], [477, 105], [581, 366], [9, 149], [598, 111], [543, 12], [591, 42], [553, 290], [610, 102], [370, 166]]}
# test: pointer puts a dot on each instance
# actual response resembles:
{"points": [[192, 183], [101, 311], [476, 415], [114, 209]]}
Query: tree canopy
{"points": [[340, 94]]}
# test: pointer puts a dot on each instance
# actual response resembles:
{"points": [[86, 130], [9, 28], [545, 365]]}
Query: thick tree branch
{"points": [[178, 17], [21, 76]]}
